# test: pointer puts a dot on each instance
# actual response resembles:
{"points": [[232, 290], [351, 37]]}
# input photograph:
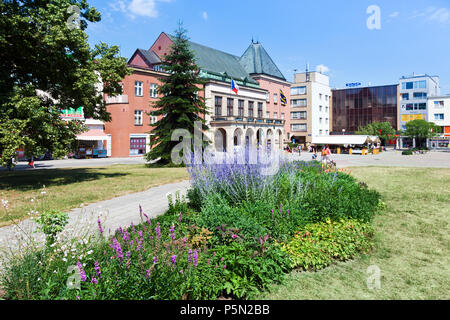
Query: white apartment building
{"points": [[439, 113], [310, 112], [414, 93]]}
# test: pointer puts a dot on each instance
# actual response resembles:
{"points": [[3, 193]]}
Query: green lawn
{"points": [[69, 188], [412, 244]]}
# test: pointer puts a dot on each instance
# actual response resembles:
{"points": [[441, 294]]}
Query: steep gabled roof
{"points": [[255, 60], [219, 62], [149, 57]]}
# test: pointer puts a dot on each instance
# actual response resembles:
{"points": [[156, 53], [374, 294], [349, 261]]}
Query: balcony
{"points": [[117, 99]]}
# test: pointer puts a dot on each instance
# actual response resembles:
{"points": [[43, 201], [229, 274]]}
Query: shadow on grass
{"points": [[29, 180]]}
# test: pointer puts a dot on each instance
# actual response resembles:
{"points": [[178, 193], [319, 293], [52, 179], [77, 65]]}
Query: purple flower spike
{"points": [[100, 225], [172, 232], [97, 269], [180, 216], [94, 281], [158, 231], [195, 257], [82, 273]]}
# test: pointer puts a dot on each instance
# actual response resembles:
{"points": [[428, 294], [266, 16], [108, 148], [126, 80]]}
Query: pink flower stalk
{"points": [[100, 225], [158, 231], [82, 273], [172, 232]]}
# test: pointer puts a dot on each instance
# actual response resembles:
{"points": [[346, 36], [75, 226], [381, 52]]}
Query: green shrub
{"points": [[407, 152], [51, 223], [316, 245], [250, 268]]}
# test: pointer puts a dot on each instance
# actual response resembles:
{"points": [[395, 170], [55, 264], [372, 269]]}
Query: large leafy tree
{"points": [[48, 65], [383, 130], [421, 130], [180, 104]]}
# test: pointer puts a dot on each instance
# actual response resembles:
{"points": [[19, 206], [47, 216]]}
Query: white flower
{"points": [[5, 203], [43, 192], [64, 259]]}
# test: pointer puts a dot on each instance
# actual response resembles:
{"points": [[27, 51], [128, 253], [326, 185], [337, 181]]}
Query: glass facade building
{"points": [[356, 107]]}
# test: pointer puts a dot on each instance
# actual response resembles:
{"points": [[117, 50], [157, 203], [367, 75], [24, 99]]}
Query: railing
{"points": [[248, 120], [117, 99]]}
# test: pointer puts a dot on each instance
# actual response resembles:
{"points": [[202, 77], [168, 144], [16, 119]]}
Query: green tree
{"points": [[180, 104], [421, 130], [383, 130], [47, 65]]}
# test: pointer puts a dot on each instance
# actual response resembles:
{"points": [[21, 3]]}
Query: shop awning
{"points": [[92, 135], [345, 140]]}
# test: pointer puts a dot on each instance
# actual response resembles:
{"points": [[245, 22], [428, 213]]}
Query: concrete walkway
{"points": [[115, 213]]}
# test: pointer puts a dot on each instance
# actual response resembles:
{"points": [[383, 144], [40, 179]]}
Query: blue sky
{"points": [[414, 35]]}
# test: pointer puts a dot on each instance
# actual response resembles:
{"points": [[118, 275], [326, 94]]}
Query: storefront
{"points": [[439, 143], [93, 143]]}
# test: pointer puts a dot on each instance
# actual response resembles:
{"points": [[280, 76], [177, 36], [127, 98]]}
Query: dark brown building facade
{"points": [[356, 107]]}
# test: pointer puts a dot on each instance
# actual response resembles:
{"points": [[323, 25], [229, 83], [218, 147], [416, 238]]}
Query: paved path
{"points": [[77, 163], [119, 212], [389, 158]]}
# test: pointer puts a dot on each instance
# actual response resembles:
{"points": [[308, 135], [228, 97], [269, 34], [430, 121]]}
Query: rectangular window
{"points": [[438, 116], [267, 97], [320, 120], [137, 146], [405, 96], [241, 108], [320, 108], [409, 107], [260, 110], [250, 109], [420, 95], [439, 104], [267, 114], [218, 106], [407, 85], [320, 131], [320, 96], [299, 127], [420, 84], [326, 109], [298, 90], [138, 117], [230, 107], [275, 98], [153, 91], [275, 115], [138, 85], [153, 119], [301, 115], [282, 116]]}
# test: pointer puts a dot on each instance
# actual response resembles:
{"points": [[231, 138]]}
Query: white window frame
{"points": [[153, 90], [138, 88], [138, 117]]}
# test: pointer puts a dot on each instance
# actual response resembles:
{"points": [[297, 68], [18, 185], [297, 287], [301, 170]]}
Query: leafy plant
{"points": [[51, 223], [317, 245]]}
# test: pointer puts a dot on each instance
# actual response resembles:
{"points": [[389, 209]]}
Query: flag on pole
{"points": [[283, 98], [234, 86]]}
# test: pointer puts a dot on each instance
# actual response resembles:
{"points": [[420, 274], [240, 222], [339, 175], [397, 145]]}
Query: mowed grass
{"points": [[412, 244], [66, 189]]}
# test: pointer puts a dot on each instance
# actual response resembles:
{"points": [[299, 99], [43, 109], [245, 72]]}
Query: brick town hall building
{"points": [[258, 113]]}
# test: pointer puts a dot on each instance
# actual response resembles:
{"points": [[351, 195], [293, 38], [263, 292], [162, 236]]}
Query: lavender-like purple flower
{"points": [[158, 231], [118, 249], [82, 273], [172, 232], [100, 226], [155, 260], [126, 236], [184, 242], [94, 281], [190, 256], [173, 259], [195, 258], [147, 273]]}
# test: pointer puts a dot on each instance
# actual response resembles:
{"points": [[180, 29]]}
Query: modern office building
{"points": [[310, 113], [415, 91], [356, 107]]}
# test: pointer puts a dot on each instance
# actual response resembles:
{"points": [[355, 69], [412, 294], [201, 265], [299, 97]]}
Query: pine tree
{"points": [[180, 104]]}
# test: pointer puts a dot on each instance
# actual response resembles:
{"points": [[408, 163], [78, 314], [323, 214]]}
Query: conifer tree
{"points": [[180, 104]]}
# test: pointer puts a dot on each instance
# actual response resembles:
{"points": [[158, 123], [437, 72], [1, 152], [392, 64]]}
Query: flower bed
{"points": [[240, 231]]}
